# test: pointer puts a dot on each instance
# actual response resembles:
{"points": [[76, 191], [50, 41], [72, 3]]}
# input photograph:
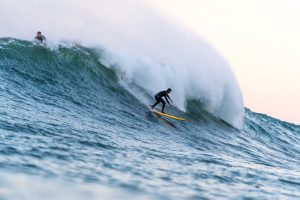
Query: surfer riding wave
{"points": [[159, 98]]}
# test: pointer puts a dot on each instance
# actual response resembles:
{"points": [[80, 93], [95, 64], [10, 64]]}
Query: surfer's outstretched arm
{"points": [[168, 100]]}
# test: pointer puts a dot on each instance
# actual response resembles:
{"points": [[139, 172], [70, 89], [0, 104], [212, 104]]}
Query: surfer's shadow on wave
{"points": [[158, 119]]}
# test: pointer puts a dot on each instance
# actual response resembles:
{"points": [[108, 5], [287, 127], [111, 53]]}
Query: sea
{"points": [[76, 124]]}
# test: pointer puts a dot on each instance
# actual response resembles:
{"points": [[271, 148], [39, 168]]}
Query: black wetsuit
{"points": [[159, 99]]}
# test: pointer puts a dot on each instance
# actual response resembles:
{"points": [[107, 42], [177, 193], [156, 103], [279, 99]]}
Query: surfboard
{"points": [[167, 115]]}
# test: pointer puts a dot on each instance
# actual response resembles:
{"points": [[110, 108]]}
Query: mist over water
{"points": [[147, 48]]}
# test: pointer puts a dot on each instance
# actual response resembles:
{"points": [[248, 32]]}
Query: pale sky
{"points": [[259, 39]]}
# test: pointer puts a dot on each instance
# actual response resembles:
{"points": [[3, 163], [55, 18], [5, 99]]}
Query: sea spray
{"points": [[216, 89]]}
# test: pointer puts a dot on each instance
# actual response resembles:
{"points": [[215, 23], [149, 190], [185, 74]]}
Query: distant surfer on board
{"points": [[40, 38], [159, 98]]}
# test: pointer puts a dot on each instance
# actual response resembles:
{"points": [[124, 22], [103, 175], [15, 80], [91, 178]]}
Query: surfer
{"points": [[159, 98], [40, 38]]}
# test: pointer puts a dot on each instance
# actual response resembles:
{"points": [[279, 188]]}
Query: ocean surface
{"points": [[71, 129]]}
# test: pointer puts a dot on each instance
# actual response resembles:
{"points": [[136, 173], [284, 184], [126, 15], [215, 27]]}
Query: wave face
{"points": [[73, 119]]}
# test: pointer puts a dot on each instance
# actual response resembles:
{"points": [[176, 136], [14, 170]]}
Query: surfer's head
{"points": [[169, 90], [39, 33]]}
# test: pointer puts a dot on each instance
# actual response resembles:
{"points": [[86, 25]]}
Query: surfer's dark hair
{"points": [[169, 90]]}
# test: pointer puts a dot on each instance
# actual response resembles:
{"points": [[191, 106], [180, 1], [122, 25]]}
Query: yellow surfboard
{"points": [[167, 115]]}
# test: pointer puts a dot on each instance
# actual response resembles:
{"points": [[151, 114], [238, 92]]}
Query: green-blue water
{"points": [[69, 130]]}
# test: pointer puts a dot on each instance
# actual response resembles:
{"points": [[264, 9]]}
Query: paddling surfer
{"points": [[40, 38]]}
